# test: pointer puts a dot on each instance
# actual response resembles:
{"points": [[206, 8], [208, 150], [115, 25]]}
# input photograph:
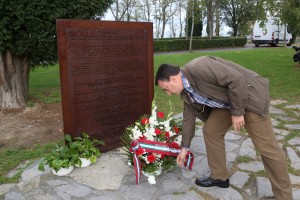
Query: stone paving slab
{"points": [[285, 118], [296, 193], [4, 188], [190, 195], [17, 169], [281, 132], [292, 126], [297, 106], [248, 149], [275, 122], [295, 179], [275, 111], [296, 113], [231, 157], [279, 137], [264, 189], [222, 193], [33, 171], [232, 136], [254, 166], [29, 184], [295, 141], [114, 170], [277, 102], [239, 179], [295, 160]]}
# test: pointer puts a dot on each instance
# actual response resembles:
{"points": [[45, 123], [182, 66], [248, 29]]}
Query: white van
{"points": [[272, 33]]}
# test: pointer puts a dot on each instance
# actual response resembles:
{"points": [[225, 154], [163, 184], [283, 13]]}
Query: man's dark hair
{"points": [[165, 71]]}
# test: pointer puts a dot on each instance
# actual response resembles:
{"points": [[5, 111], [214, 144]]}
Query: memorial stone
{"points": [[106, 73]]}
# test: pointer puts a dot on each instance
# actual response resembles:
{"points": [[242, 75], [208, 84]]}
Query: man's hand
{"points": [[181, 157], [238, 122]]}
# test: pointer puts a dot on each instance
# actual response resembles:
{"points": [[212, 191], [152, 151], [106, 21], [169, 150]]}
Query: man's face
{"points": [[171, 87]]}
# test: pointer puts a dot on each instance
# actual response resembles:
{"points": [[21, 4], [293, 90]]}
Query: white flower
{"points": [[149, 136], [151, 180], [153, 121], [154, 111], [167, 125], [129, 163], [136, 133], [178, 139], [150, 132], [171, 133]]}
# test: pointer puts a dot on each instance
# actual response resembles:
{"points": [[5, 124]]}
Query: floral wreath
{"points": [[153, 143]]}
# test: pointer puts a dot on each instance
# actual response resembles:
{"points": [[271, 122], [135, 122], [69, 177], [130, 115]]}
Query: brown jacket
{"points": [[225, 81]]}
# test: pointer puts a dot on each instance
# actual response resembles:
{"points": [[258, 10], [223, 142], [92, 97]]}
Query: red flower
{"points": [[167, 134], [160, 115], [176, 129], [151, 158], [140, 151], [142, 137], [157, 131], [173, 145], [162, 156], [145, 121]]}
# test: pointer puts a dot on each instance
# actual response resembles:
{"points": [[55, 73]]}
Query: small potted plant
{"points": [[86, 149], [61, 161]]}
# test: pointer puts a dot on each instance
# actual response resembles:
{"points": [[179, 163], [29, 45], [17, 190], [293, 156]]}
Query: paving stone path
{"points": [[112, 179]]}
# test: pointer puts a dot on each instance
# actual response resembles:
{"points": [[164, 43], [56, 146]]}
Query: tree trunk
{"points": [[284, 36], [192, 28], [14, 81], [217, 8], [163, 24], [180, 19], [186, 24], [210, 18], [173, 27]]}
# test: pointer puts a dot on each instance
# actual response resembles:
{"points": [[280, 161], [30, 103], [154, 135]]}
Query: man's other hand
{"points": [[238, 122], [181, 157]]}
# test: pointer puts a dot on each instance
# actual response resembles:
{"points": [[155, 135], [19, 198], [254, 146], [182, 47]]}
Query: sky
{"points": [[223, 30]]}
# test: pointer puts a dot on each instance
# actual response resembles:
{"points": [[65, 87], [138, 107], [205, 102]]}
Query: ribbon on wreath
{"points": [[158, 148]]}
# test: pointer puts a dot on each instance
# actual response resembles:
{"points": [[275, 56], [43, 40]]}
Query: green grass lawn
{"points": [[11, 158], [44, 84], [276, 64]]}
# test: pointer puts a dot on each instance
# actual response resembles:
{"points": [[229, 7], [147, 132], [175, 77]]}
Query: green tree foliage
{"points": [[27, 27], [238, 13], [288, 11], [294, 18], [198, 24]]}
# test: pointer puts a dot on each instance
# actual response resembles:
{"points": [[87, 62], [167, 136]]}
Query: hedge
{"points": [[183, 44], [194, 37]]}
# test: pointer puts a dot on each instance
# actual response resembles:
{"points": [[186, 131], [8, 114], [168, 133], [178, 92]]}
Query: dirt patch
{"points": [[40, 124]]}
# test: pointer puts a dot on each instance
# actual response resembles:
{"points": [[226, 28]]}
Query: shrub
{"points": [[183, 44]]}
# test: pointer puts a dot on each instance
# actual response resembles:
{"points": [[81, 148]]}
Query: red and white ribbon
{"points": [[158, 148]]}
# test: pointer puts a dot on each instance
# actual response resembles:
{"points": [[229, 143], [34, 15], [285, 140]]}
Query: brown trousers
{"points": [[260, 130]]}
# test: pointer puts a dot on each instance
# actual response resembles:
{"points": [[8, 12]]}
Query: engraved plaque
{"points": [[106, 72]]}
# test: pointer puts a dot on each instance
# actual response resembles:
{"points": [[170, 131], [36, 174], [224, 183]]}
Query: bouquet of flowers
{"points": [[155, 141]]}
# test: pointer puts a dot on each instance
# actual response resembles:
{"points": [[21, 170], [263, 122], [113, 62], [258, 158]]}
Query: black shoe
{"points": [[209, 182]]}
